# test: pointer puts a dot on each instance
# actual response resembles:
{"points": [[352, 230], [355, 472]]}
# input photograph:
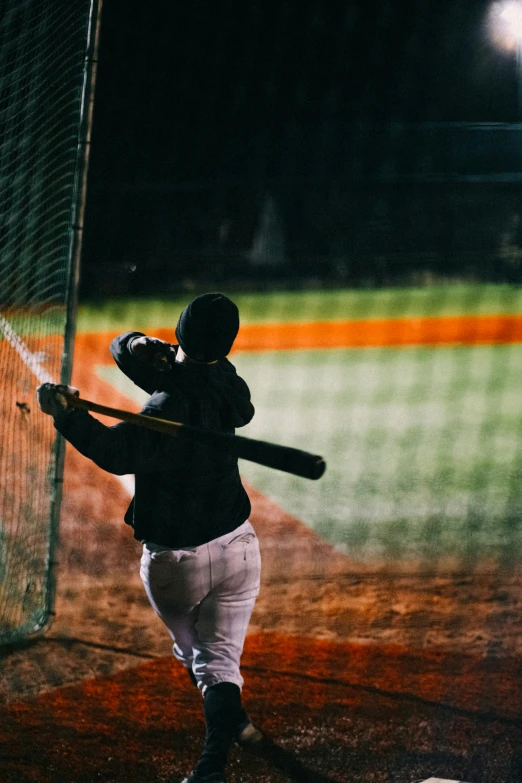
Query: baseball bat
{"points": [[272, 455]]}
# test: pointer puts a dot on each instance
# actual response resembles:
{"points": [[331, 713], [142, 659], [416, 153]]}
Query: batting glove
{"points": [[154, 352], [51, 400]]}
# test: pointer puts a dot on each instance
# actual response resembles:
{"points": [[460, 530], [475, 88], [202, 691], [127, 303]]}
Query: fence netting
{"points": [[43, 49]]}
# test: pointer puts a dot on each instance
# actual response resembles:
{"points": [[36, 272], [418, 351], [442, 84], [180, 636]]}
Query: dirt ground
{"points": [[333, 713]]}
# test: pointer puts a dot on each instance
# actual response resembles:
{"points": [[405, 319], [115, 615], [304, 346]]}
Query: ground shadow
{"points": [[287, 762]]}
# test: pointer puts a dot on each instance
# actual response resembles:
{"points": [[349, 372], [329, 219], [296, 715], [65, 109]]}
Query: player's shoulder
{"points": [[230, 379], [226, 366]]}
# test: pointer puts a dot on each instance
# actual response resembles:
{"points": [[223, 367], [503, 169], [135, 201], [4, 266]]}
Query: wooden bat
{"points": [[300, 463]]}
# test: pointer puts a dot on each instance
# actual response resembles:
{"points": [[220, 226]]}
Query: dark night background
{"points": [[380, 136]]}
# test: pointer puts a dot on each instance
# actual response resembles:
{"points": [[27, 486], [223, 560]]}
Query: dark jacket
{"points": [[186, 493]]}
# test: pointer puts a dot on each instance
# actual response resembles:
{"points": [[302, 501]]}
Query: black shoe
{"points": [[216, 777]]}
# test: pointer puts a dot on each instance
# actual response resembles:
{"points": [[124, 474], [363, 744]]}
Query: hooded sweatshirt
{"points": [[186, 493]]}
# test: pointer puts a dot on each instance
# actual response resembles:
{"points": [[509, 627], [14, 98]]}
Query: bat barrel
{"points": [[286, 458]]}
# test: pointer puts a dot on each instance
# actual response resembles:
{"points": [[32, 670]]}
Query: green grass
{"points": [[294, 306], [423, 446]]}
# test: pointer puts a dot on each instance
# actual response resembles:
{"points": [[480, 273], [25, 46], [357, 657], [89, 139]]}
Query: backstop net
{"points": [[45, 73]]}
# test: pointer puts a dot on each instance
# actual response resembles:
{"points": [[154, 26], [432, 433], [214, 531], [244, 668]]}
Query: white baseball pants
{"points": [[205, 596]]}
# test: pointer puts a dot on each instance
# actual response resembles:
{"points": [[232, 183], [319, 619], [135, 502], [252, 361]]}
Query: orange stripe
{"points": [[468, 330], [463, 330]]}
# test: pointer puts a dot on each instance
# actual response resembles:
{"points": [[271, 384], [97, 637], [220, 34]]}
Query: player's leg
{"points": [[225, 612], [175, 582], [223, 618]]}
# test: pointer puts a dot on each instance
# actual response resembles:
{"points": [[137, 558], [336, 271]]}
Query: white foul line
{"points": [[32, 361]]}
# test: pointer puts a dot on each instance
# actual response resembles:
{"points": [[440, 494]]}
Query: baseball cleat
{"points": [[250, 736], [215, 777]]}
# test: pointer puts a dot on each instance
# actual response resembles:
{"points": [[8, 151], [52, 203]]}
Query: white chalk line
{"points": [[33, 362]]}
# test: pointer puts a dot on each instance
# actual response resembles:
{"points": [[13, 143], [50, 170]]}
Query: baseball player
{"points": [[200, 564]]}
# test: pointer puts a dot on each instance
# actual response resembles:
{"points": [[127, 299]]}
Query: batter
{"points": [[200, 564]]}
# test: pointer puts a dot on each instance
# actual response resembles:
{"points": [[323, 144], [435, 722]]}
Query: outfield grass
{"points": [[344, 304], [423, 446]]}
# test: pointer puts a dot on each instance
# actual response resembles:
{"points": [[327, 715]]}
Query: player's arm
{"points": [[143, 359], [121, 449]]}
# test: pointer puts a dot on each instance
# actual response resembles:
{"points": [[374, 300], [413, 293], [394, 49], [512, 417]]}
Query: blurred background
{"points": [[330, 163], [289, 144]]}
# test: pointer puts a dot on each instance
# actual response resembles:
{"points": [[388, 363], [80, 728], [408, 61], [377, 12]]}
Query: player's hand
{"points": [[51, 399], [156, 353]]}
